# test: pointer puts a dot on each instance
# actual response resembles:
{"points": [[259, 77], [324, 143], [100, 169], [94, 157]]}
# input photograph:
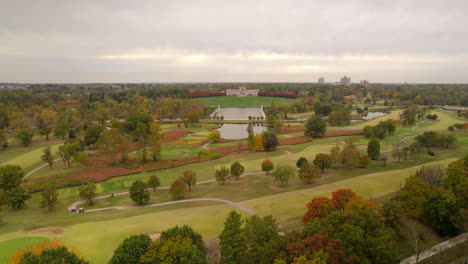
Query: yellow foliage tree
{"points": [[16, 257], [258, 142]]}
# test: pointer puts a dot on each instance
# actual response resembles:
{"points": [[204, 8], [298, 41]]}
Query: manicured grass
{"points": [[244, 101], [10, 246]]}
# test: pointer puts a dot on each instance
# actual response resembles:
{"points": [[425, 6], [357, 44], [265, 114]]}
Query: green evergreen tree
{"points": [[231, 241]]}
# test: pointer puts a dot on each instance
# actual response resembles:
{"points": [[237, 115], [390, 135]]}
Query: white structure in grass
{"points": [[242, 91]]}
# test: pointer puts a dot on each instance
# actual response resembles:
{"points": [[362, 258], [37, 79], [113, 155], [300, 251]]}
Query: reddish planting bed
{"points": [[172, 136], [98, 174], [292, 129]]}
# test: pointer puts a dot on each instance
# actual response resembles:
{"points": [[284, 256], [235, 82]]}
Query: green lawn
{"points": [[244, 101], [8, 247]]}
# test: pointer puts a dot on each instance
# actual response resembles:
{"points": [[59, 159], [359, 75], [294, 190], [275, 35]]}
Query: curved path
{"points": [[247, 210], [36, 169]]}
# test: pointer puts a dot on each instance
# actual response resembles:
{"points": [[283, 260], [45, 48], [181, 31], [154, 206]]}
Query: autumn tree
{"points": [[25, 136], [414, 195], [91, 136], [323, 161], [222, 175], [153, 182], [350, 155], [111, 142], [87, 192], [336, 156], [46, 121], [341, 197], [178, 188], [373, 149], [62, 129], [318, 207], [258, 143], [142, 135], [190, 178], [267, 166], [3, 139], [231, 240], [270, 141], [69, 152], [309, 172], [364, 161], [315, 126], [236, 170], [47, 156], [139, 193], [59, 254], [214, 136], [155, 140], [456, 173], [282, 173], [49, 198]]}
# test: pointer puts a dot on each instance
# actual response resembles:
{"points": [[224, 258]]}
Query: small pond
{"points": [[238, 113], [238, 131], [372, 115]]}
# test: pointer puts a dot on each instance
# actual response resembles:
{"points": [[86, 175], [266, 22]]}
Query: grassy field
{"points": [[244, 101], [257, 192], [10, 246]]}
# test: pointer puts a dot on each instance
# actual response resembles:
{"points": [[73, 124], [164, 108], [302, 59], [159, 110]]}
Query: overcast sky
{"points": [[233, 41]]}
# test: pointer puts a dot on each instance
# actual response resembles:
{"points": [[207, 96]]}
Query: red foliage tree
{"points": [[319, 242], [341, 197], [318, 207]]}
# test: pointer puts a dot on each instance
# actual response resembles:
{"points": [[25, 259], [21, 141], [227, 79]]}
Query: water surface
{"points": [[238, 131]]}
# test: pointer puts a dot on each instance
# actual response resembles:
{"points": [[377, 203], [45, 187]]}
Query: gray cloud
{"points": [[107, 41]]}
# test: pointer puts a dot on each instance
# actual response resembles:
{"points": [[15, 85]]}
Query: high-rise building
{"points": [[345, 81], [364, 83], [321, 80]]}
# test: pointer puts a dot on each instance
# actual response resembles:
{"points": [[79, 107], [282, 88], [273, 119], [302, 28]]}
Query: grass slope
{"points": [[8, 247]]}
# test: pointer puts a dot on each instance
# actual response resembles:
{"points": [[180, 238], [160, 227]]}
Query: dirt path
{"points": [[36, 169], [52, 230]]}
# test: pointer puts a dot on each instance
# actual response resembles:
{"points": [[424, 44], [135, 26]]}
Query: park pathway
{"points": [[36, 169], [436, 249]]}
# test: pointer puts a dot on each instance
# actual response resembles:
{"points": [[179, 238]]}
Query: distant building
{"points": [[364, 83], [321, 80], [345, 81], [242, 91]]}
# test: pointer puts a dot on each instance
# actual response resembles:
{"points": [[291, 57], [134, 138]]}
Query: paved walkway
{"points": [[38, 168], [436, 249]]}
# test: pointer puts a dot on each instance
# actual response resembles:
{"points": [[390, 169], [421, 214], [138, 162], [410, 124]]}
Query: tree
{"points": [[190, 178], [341, 197], [141, 134], [62, 129], [323, 161], [236, 170], [25, 136], [17, 197], [318, 207], [153, 182], [364, 161], [52, 255], [444, 215], [350, 155], [87, 192], [214, 136], [11, 177], [3, 198], [155, 139], [309, 172], [3, 139], [112, 142], [178, 188], [262, 241], [315, 126], [301, 161], [414, 195], [373, 149], [282, 173], [368, 131], [49, 198], [336, 156], [139, 193], [46, 121], [455, 173], [47, 156], [267, 166], [68, 151], [392, 213], [91, 136], [131, 250], [270, 141], [278, 126], [231, 241], [258, 143], [222, 175], [432, 174]]}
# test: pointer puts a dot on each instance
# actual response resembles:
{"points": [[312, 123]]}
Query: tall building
{"points": [[345, 81], [321, 80], [365, 83]]}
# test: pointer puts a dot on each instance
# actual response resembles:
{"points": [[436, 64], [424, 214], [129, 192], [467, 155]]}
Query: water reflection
{"points": [[372, 115], [239, 131]]}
